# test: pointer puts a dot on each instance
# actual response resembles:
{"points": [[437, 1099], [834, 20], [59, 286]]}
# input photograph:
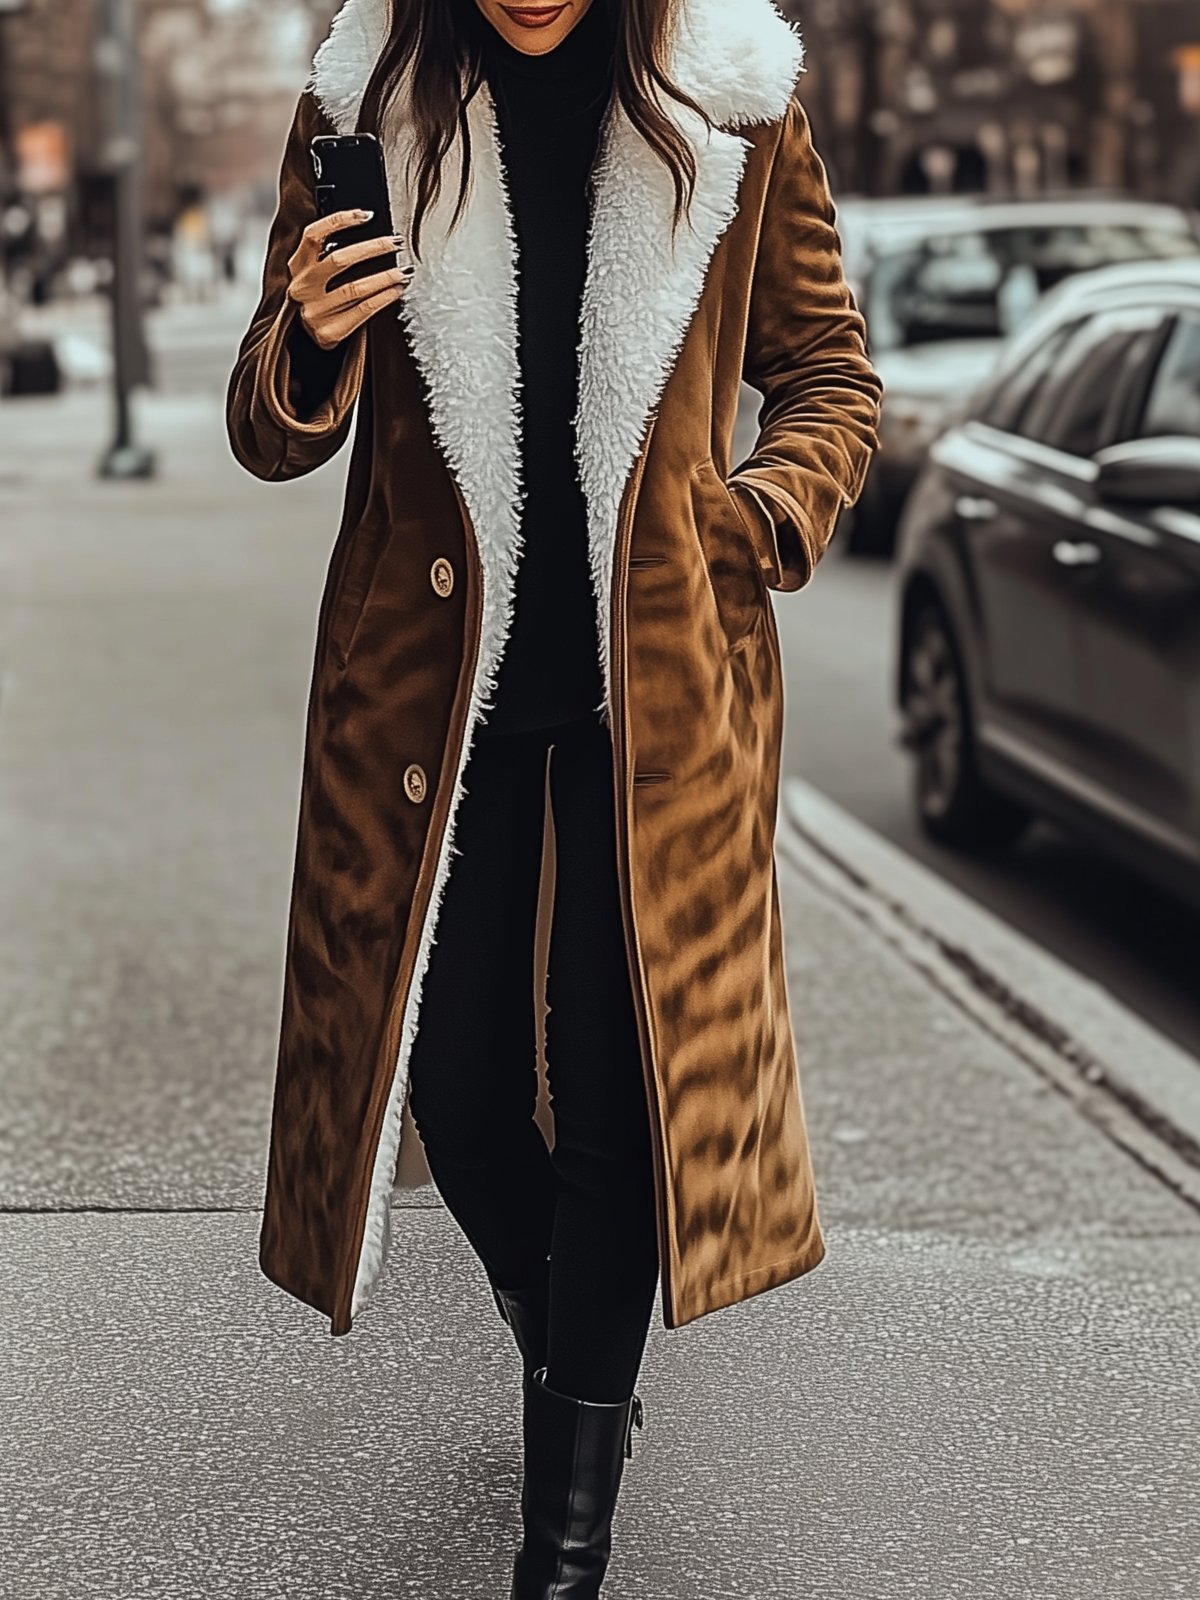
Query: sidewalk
{"points": [[988, 1391]]}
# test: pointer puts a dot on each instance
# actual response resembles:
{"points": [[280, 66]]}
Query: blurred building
{"points": [[1012, 96], [217, 81], [909, 95]]}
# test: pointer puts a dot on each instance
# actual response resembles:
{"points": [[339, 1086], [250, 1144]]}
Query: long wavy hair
{"points": [[442, 42]]}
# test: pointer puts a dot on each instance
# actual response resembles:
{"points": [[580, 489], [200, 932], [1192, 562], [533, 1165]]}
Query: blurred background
{"points": [[989, 858], [1007, 98], [999, 671]]}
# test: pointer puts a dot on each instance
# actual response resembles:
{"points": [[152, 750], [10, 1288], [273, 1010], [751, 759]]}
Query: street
{"points": [[841, 736], [837, 638], [988, 1390]]}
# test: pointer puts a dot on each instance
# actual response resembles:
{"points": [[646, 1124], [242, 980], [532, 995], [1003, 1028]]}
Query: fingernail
{"points": [[364, 214]]}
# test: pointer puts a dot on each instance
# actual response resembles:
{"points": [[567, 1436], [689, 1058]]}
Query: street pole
{"points": [[8, 162], [869, 145], [117, 70]]}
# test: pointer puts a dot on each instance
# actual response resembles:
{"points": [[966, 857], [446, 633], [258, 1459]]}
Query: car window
{"points": [[984, 283], [1079, 402], [1021, 383], [1173, 405], [944, 289]]}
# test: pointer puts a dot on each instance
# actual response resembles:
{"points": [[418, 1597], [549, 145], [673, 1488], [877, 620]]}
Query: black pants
{"points": [[590, 1203]]}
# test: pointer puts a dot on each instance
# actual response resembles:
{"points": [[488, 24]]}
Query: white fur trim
{"points": [[461, 314], [343, 64], [642, 290], [644, 284], [739, 59]]}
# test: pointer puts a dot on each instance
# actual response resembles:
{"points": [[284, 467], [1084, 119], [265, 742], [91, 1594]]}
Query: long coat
{"points": [[418, 603]]}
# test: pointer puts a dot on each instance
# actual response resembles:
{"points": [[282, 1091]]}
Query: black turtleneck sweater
{"points": [[549, 110]]}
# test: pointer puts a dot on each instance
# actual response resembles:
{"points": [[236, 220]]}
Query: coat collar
{"points": [[739, 60]]}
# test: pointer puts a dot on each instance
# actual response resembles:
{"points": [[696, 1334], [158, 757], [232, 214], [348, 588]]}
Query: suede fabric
{"points": [[697, 709]]}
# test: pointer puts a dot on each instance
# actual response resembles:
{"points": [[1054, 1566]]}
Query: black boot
{"points": [[527, 1312], [575, 1452]]}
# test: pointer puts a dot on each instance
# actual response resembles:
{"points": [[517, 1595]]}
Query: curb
{"points": [[1139, 1087]]}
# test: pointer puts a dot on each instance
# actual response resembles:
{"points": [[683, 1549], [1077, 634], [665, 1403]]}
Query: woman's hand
{"points": [[332, 315]]}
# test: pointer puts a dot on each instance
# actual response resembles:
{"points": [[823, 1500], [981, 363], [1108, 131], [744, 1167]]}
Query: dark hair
{"points": [[442, 42]]}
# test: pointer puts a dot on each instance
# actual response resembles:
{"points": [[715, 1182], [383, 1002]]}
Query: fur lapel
{"points": [[740, 63], [739, 59]]}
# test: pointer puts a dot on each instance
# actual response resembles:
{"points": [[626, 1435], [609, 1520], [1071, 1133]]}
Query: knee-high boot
{"points": [[575, 1453]]}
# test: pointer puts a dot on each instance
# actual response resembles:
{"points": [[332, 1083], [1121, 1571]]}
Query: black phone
{"points": [[350, 175]]}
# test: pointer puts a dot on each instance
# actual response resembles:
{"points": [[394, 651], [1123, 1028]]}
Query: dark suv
{"points": [[1049, 584]]}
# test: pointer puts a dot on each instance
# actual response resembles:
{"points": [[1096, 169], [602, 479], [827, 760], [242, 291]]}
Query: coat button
{"points": [[441, 575], [414, 784]]}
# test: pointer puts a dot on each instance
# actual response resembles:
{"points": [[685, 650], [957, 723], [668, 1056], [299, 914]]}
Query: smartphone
{"points": [[349, 174]]}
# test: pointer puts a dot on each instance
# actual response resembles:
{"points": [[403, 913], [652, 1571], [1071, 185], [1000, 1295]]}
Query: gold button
{"points": [[441, 575], [414, 784]]}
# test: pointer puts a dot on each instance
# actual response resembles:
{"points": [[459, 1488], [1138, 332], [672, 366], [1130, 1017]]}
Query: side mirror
{"points": [[1150, 472]]}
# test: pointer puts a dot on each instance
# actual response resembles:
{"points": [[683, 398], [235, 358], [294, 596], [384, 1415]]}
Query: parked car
{"points": [[1049, 584], [944, 281]]}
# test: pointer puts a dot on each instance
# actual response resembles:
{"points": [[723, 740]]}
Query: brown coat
{"points": [[416, 607]]}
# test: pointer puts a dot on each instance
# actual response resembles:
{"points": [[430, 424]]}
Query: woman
{"points": [[545, 575]]}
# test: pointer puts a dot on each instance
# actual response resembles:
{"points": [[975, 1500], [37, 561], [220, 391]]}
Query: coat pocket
{"points": [[735, 575], [352, 581]]}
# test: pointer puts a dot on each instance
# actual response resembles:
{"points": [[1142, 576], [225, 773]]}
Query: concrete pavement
{"points": [[1123, 1074], [988, 1390]]}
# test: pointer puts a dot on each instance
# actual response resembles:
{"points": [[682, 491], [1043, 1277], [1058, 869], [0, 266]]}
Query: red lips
{"points": [[533, 16]]}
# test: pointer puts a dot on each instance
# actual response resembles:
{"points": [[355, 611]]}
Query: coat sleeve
{"points": [[806, 353], [289, 403]]}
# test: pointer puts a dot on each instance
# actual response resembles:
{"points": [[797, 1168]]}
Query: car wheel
{"points": [[953, 805]]}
